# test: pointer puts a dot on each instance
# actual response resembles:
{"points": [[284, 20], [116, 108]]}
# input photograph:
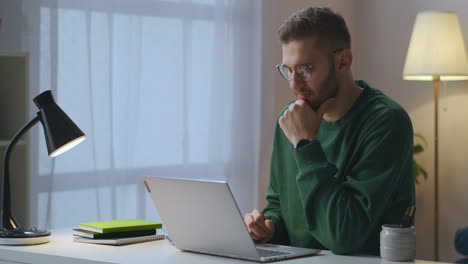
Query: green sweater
{"points": [[337, 192]]}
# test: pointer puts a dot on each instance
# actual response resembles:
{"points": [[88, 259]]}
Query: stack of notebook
{"points": [[117, 232]]}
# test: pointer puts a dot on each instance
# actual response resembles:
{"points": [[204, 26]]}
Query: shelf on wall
{"points": [[14, 109]]}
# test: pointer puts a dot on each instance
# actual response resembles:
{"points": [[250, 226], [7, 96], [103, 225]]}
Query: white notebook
{"points": [[119, 241]]}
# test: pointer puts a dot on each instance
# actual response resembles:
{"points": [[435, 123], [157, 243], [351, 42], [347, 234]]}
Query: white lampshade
{"points": [[436, 48]]}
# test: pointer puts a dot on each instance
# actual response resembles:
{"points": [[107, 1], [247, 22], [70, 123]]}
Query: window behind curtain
{"points": [[161, 88]]}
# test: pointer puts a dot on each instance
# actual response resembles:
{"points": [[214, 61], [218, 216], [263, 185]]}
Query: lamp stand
{"points": [[436, 80], [11, 233]]}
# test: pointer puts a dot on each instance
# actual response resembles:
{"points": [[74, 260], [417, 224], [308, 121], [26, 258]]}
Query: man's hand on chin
{"points": [[300, 121]]}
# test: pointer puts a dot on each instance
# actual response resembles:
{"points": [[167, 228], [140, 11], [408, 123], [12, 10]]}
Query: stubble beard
{"points": [[328, 89]]}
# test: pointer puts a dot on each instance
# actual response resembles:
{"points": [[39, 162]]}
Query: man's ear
{"points": [[345, 59]]}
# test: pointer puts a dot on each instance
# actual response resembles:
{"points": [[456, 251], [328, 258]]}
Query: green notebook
{"points": [[119, 225]]}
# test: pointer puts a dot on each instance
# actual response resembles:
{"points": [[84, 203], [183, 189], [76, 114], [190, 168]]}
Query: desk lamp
{"points": [[61, 134], [436, 53]]}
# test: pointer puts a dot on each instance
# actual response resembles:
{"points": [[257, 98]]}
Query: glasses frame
{"points": [[309, 67]]}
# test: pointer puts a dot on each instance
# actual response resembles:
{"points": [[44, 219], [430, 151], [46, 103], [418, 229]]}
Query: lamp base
{"points": [[23, 236]]}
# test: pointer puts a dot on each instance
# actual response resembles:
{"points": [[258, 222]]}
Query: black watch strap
{"points": [[303, 142]]}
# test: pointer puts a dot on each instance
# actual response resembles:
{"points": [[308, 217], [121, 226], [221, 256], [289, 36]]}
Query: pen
{"points": [[406, 222]]}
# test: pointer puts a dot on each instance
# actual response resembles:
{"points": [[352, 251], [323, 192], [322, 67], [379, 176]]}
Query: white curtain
{"points": [[160, 88]]}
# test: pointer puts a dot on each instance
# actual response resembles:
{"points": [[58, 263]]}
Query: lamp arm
{"points": [[7, 221]]}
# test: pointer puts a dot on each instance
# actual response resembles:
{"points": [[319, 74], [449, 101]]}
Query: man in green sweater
{"points": [[342, 157]]}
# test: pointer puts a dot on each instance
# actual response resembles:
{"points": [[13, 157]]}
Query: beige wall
{"points": [[380, 31], [387, 26]]}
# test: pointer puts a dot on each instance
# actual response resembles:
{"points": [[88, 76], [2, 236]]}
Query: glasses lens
{"points": [[303, 72], [285, 71]]}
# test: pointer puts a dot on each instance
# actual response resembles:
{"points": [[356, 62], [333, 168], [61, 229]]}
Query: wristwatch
{"points": [[303, 142]]}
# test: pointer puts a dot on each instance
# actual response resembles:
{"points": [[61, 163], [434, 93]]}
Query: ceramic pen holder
{"points": [[397, 243]]}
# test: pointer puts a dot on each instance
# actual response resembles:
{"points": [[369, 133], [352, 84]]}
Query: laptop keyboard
{"points": [[270, 253]]}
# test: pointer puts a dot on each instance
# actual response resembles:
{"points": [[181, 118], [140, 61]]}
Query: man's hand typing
{"points": [[260, 228]]}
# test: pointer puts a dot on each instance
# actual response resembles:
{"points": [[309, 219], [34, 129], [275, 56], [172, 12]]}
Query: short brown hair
{"points": [[322, 22]]}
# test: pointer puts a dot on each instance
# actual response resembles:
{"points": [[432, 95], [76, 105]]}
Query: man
{"points": [[342, 158]]}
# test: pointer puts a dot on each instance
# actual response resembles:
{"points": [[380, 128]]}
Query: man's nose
{"points": [[295, 83]]}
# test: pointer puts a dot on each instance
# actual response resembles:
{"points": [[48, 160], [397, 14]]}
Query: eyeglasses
{"points": [[303, 71]]}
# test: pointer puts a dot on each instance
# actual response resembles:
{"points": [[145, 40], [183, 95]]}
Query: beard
{"points": [[328, 89]]}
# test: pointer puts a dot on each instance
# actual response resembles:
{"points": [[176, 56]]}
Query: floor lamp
{"points": [[436, 53]]}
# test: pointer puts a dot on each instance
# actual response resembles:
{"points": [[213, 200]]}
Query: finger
{"points": [[324, 106], [248, 220], [291, 107], [254, 237], [256, 213], [269, 225], [257, 231], [259, 220], [271, 230], [300, 102], [281, 121]]}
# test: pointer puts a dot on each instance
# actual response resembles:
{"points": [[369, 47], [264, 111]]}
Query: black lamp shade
{"points": [[60, 131]]}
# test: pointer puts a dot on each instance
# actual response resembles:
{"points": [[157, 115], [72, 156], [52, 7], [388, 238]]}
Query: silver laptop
{"points": [[203, 217]]}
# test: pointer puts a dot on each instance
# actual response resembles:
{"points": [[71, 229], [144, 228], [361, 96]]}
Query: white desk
{"points": [[61, 249]]}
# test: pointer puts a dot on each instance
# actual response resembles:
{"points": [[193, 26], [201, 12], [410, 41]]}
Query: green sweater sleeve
{"points": [[273, 212], [341, 210], [273, 209]]}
